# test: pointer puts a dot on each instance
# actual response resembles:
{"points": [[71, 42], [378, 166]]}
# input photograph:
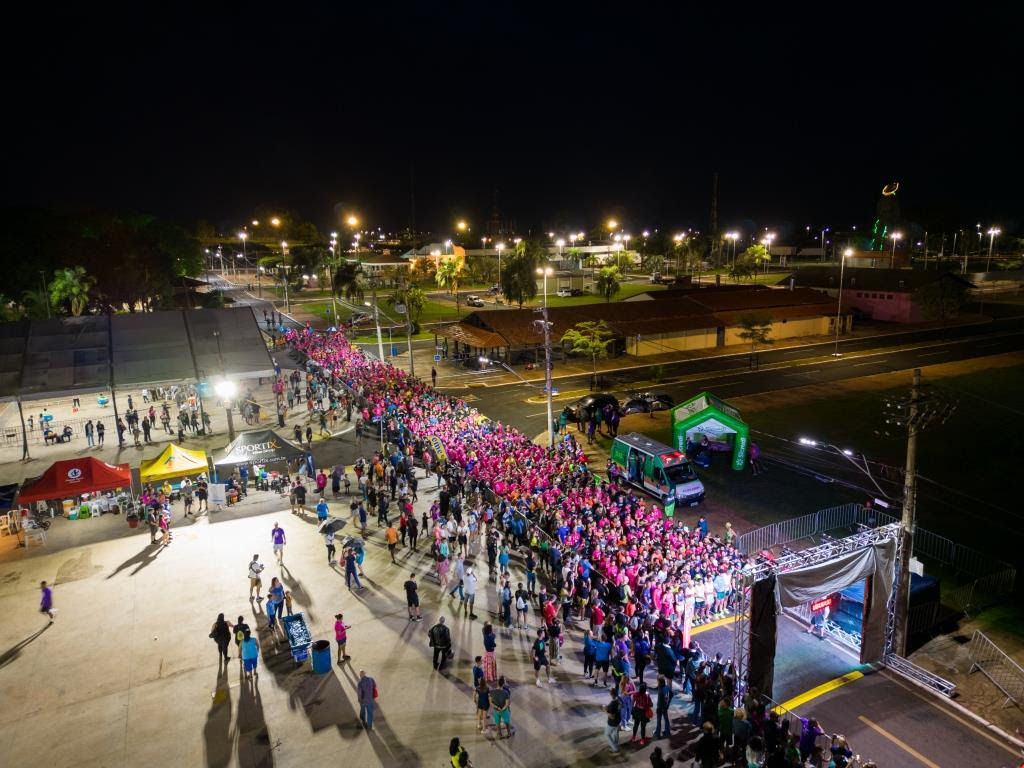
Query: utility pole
{"points": [[909, 519]]}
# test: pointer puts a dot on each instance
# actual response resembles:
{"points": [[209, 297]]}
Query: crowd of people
{"points": [[632, 579]]}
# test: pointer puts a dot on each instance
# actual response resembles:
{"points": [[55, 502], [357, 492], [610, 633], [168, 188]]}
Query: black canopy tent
{"points": [[258, 446]]}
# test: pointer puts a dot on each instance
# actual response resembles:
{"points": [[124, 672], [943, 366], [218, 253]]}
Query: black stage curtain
{"points": [[761, 664]]}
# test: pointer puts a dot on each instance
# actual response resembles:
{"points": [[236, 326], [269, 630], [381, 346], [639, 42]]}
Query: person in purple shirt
{"points": [[46, 603], [809, 733], [277, 538]]}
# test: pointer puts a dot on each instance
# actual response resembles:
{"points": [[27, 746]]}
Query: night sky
{"points": [[572, 115]]}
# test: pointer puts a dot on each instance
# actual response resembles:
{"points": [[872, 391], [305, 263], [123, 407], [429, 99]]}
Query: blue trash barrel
{"points": [[321, 657]]}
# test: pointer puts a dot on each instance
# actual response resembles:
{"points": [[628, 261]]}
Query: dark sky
{"points": [[572, 114]]}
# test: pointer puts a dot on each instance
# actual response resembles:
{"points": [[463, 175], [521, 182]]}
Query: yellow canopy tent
{"points": [[175, 461]]}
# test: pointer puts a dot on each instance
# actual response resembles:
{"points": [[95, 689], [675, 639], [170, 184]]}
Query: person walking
{"points": [[459, 578], [239, 631], [433, 377], [322, 510], [441, 642], [412, 598], [501, 706], [275, 602], [89, 429], [341, 637], [664, 694], [414, 531], [613, 709], [391, 536], [220, 633], [350, 568], [366, 690], [255, 582], [278, 540], [540, 657], [329, 541], [100, 429], [250, 655], [46, 600], [469, 591], [490, 642], [483, 704], [152, 523], [643, 710]]}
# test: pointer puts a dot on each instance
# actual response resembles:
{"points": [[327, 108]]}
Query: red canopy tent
{"points": [[74, 478]]}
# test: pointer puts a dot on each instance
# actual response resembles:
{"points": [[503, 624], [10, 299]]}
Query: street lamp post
{"points": [[892, 258], [839, 304], [991, 239], [285, 267], [499, 247], [547, 272], [226, 390], [768, 245], [243, 236], [334, 268]]}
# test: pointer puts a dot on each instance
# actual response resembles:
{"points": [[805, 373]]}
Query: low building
{"points": [[879, 294], [652, 323]]}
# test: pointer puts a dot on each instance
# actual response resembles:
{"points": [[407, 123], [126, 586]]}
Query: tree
{"points": [[414, 299], [519, 278], [757, 326], [449, 274], [652, 262], [590, 338], [35, 304], [350, 281], [70, 289], [608, 282], [742, 266], [422, 269], [942, 299]]}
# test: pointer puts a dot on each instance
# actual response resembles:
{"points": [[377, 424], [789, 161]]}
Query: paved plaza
{"points": [[127, 676]]}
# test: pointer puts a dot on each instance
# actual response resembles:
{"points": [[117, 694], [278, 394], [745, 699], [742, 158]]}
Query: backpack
{"points": [[506, 596], [520, 603]]}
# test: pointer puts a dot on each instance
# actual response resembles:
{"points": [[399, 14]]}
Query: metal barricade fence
{"points": [[932, 545], [982, 592], [838, 517], [987, 658], [797, 528], [758, 539]]}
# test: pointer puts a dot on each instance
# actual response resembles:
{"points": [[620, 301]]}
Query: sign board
{"points": [[437, 358], [400, 308], [438, 448], [217, 494], [822, 604]]}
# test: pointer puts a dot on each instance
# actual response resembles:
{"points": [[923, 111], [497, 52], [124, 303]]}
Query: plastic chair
{"points": [[34, 534]]}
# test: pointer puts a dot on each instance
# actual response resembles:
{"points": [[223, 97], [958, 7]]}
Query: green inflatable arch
{"points": [[708, 415]]}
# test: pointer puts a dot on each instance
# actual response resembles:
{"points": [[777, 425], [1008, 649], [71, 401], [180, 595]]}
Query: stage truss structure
{"points": [[762, 568]]}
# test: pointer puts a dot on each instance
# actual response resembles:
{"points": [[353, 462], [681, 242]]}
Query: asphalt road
{"points": [[885, 717], [778, 369]]}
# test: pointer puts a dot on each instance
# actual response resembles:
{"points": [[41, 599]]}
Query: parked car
{"points": [[494, 290], [590, 404], [474, 301], [646, 402], [576, 292], [563, 293], [358, 318]]}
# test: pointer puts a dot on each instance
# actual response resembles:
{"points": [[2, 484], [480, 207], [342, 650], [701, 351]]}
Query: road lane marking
{"points": [[821, 690], [945, 711], [726, 622], [899, 743], [932, 354], [873, 362]]}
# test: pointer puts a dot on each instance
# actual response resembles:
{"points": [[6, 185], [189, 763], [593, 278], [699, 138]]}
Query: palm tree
{"points": [[449, 274], [608, 282], [350, 281], [71, 287], [414, 299]]}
